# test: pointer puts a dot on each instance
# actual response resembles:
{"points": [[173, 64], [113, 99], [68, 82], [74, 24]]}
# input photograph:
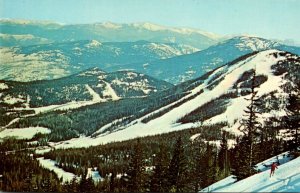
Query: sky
{"points": [[275, 19]]}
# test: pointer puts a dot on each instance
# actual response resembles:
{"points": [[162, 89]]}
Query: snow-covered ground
{"points": [[50, 164], [167, 122], [23, 133], [286, 178]]}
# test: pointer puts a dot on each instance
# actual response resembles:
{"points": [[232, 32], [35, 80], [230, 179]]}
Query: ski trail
{"points": [[109, 91], [96, 97]]}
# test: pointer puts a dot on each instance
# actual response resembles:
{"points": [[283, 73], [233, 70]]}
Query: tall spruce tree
{"points": [[159, 177], [136, 171], [177, 171], [292, 118], [223, 160], [196, 165], [250, 128]]}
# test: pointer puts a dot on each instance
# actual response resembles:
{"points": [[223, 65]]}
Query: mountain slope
{"points": [[103, 32], [286, 179], [91, 85], [49, 61], [217, 98], [186, 67]]}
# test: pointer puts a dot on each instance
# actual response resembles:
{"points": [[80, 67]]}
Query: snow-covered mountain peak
{"points": [[181, 30], [26, 22], [111, 25], [93, 44], [92, 72], [254, 43]]}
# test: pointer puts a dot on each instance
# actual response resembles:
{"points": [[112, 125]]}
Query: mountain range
{"points": [[217, 97], [26, 32], [56, 60]]}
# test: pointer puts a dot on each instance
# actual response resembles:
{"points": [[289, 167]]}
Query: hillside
{"points": [[228, 86], [56, 60], [50, 32], [186, 67], [219, 97], [286, 178], [90, 85]]}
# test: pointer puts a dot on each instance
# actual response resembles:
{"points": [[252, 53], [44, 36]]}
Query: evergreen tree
{"points": [[112, 182], [250, 128], [178, 168], [292, 118], [136, 171], [196, 164], [223, 160], [159, 177], [241, 166], [86, 185]]}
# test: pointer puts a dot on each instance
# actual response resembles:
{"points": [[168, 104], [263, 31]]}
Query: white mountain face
{"points": [[186, 67], [226, 85]]}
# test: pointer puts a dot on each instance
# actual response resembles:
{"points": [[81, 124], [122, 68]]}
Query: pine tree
{"points": [[292, 118], [112, 182], [250, 128], [136, 172], [197, 168], [223, 160], [241, 164], [159, 177], [178, 168]]}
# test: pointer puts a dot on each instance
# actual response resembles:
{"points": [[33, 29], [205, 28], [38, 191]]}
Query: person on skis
{"points": [[273, 167]]}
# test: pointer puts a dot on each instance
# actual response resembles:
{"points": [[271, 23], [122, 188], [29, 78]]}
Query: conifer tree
{"points": [[197, 168], [136, 172], [250, 128], [178, 168], [159, 177], [223, 160], [292, 118]]}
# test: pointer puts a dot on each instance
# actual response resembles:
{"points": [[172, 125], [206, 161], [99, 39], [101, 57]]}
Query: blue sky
{"points": [[266, 18]]}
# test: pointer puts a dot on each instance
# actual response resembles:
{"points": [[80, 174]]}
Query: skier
{"points": [[273, 167]]}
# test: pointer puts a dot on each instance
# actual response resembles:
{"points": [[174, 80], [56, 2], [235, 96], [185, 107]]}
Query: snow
{"points": [[24, 67], [12, 122], [93, 44], [155, 27], [51, 165], [281, 158], [103, 128], [225, 182], [262, 61], [12, 100], [23, 133], [96, 97], [193, 137], [255, 43], [69, 105], [286, 179], [109, 91], [3, 86]]}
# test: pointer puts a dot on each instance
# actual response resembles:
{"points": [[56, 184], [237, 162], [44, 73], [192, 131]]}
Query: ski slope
{"points": [[229, 74], [286, 178]]}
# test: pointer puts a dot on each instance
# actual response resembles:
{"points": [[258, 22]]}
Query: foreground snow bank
{"points": [[23, 133]]}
